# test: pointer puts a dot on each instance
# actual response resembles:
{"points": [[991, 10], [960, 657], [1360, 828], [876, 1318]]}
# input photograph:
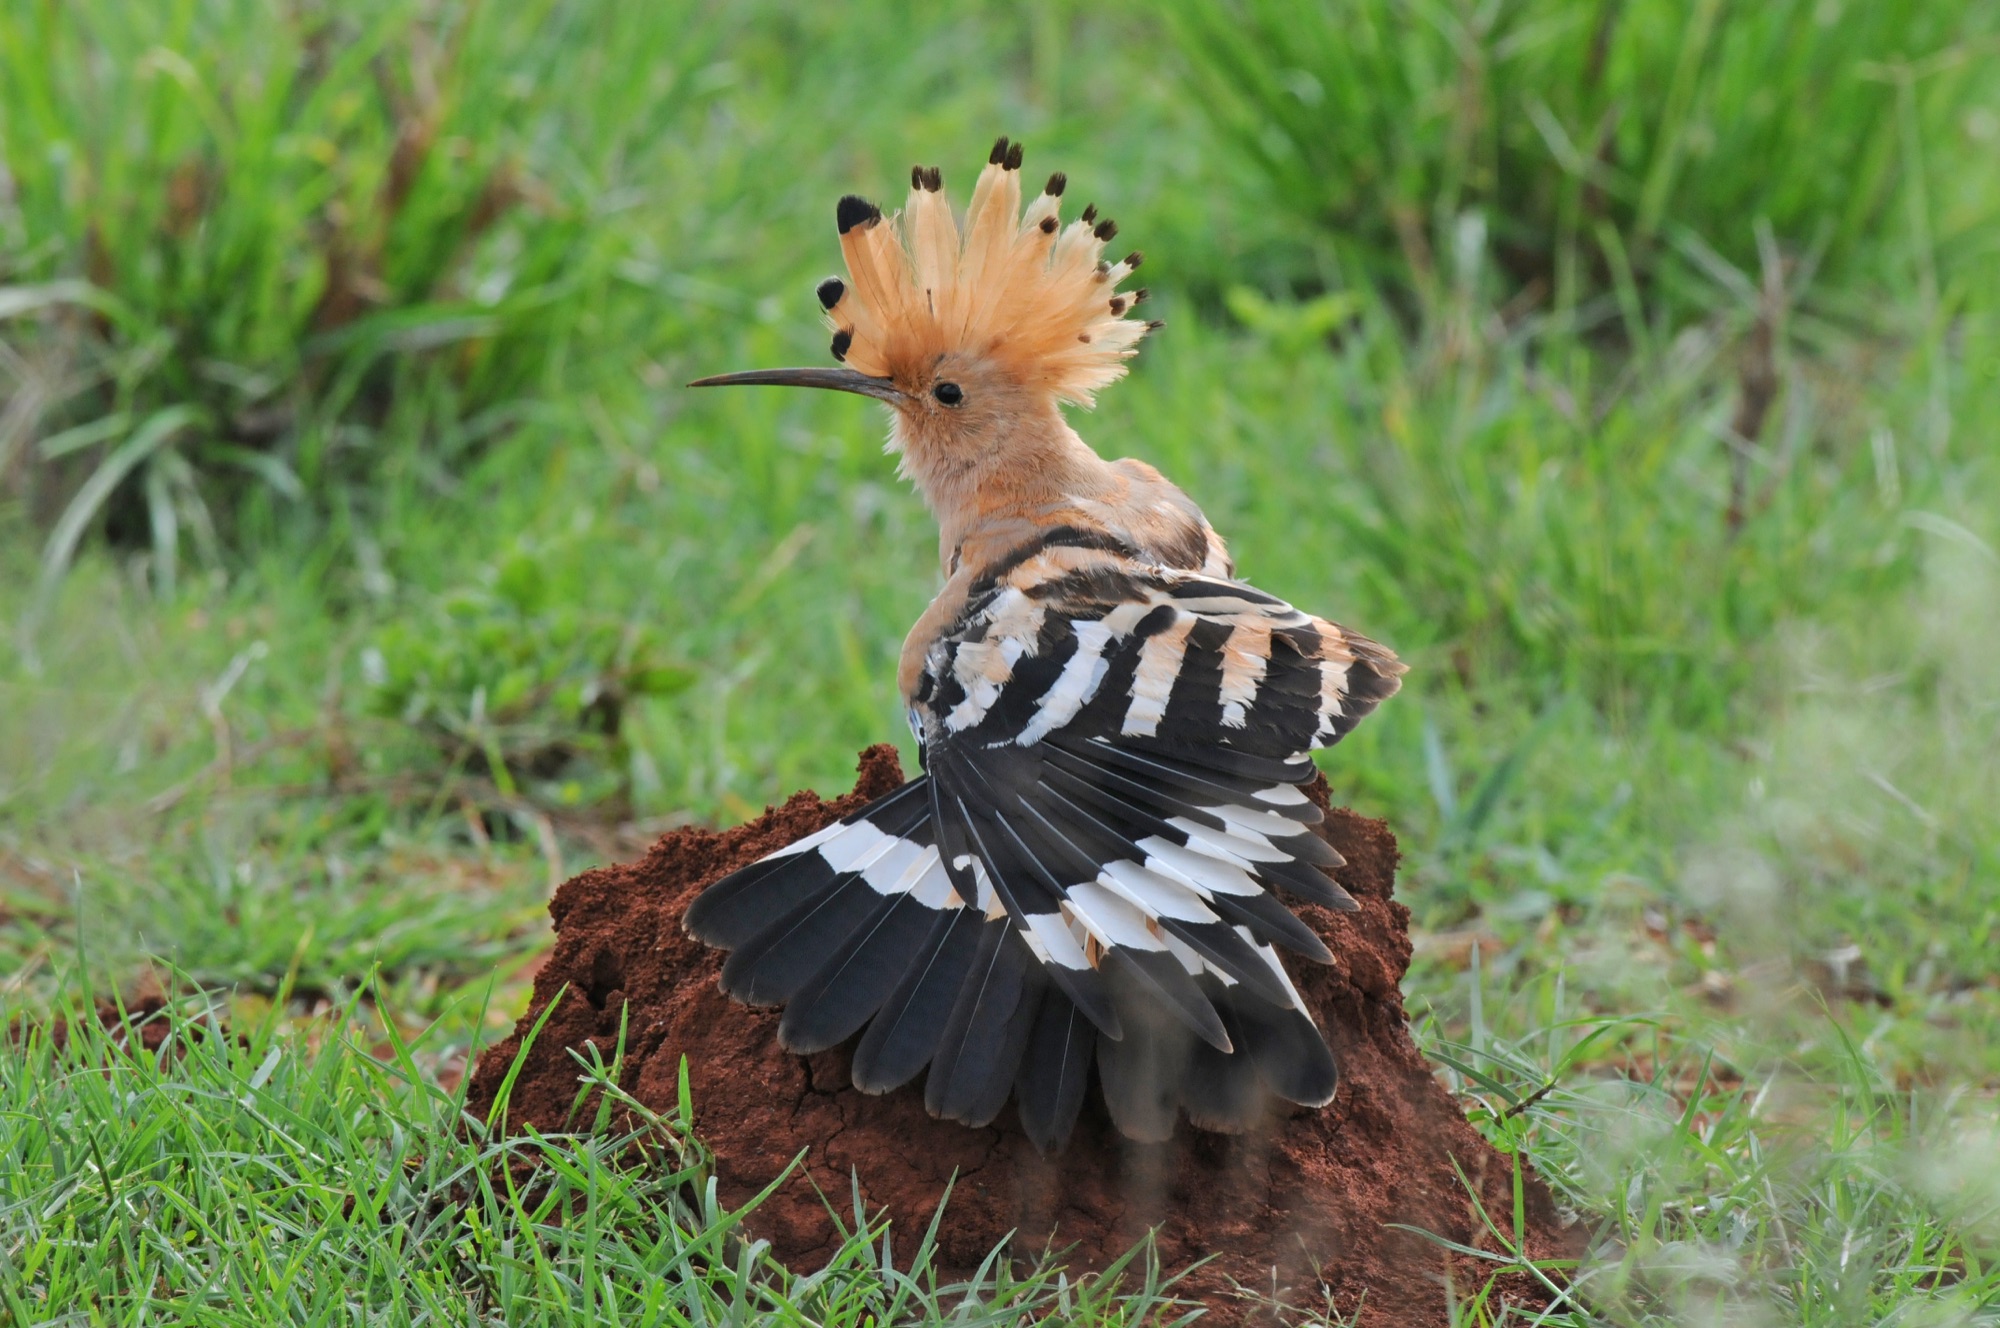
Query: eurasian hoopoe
{"points": [[1113, 728]]}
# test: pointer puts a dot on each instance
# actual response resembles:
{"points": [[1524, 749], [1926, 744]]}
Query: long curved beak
{"points": [[839, 380]]}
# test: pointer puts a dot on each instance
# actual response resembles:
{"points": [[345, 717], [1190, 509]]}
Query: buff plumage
{"points": [[1018, 287]]}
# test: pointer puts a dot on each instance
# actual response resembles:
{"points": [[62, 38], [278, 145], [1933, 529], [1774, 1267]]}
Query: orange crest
{"points": [[1022, 291]]}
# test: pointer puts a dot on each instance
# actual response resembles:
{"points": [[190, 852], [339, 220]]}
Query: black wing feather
{"points": [[1174, 796], [976, 1037], [852, 985], [904, 1033], [742, 904], [1055, 1071], [1218, 1092], [772, 965], [745, 902]]}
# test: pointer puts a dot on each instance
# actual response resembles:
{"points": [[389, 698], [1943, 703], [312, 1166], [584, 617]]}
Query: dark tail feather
{"points": [[1158, 982], [1043, 849], [1223, 946], [743, 903], [854, 983], [1269, 920], [1141, 1074], [1055, 1072], [904, 1033], [986, 1082], [979, 1033], [1304, 878], [1267, 917], [740, 905], [1307, 846], [1222, 1093], [1291, 1057], [772, 965]]}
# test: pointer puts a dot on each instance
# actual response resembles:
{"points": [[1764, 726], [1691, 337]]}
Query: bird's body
{"points": [[1113, 729]]}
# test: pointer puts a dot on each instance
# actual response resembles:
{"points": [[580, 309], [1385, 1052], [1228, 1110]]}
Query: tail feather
{"points": [[978, 1032], [771, 966], [1272, 921], [1223, 947], [1055, 1071], [1142, 1074], [852, 985], [904, 1033], [1291, 1057], [981, 1085], [1222, 1093]]}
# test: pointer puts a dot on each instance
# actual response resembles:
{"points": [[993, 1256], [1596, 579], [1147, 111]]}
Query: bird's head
{"points": [[973, 338]]}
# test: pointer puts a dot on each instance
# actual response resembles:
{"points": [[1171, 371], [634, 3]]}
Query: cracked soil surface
{"points": [[1299, 1210]]}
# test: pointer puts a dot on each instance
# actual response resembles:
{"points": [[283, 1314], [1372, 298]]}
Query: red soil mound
{"points": [[1301, 1208]]}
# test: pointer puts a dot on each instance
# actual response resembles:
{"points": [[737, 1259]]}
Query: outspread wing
{"points": [[1088, 870]]}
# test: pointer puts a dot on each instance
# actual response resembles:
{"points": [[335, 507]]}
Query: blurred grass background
{"points": [[1630, 366]]}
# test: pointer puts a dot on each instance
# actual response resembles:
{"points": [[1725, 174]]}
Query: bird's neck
{"points": [[1023, 474]]}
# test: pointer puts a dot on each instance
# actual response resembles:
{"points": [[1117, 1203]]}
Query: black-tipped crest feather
{"points": [[855, 210]]}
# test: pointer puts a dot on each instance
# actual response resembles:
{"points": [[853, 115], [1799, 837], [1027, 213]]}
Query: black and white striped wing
{"points": [[1086, 873], [862, 924]]}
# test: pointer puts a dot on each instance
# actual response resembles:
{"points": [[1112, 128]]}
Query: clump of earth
{"points": [[1311, 1211]]}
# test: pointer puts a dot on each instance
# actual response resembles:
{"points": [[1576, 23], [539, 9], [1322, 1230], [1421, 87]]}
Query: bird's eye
{"points": [[948, 394]]}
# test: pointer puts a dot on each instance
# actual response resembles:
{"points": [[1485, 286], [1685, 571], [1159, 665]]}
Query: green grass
{"points": [[272, 242], [248, 1176], [1602, 139], [333, 646]]}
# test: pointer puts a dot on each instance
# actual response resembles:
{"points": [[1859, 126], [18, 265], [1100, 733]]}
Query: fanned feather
{"points": [[1013, 285], [904, 1033], [1055, 1071]]}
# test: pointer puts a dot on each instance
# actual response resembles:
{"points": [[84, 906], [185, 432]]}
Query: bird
{"points": [[1088, 876]]}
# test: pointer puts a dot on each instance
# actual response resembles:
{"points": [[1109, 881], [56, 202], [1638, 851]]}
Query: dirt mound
{"points": [[1300, 1208]]}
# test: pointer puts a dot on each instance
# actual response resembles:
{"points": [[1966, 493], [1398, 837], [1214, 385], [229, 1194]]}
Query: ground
{"points": [[367, 573]]}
